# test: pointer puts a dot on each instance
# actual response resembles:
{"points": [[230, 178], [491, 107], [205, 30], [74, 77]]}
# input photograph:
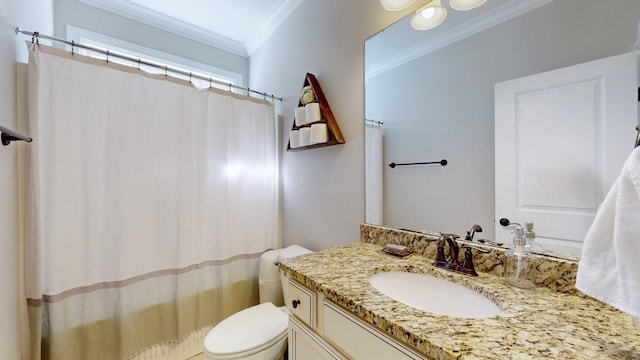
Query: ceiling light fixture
{"points": [[429, 16], [463, 5], [395, 5], [433, 13]]}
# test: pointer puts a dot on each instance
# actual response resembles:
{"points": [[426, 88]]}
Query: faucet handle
{"points": [[453, 236], [477, 248], [441, 259], [454, 251], [467, 266]]}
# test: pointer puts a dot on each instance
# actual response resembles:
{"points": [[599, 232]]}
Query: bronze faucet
{"points": [[453, 264]]}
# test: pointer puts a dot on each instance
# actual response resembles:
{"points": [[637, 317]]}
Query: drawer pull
{"points": [[295, 303]]}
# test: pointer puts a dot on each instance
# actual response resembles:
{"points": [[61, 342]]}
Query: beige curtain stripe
{"points": [[122, 283]]}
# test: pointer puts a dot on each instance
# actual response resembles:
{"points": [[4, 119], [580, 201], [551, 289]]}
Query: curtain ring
{"points": [[189, 76], [210, 83], [229, 87], [107, 55], [165, 70], [35, 37], [139, 60], [73, 44], [248, 91]]}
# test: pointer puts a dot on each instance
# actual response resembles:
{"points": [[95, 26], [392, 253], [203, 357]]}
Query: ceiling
{"points": [[241, 26], [237, 26]]}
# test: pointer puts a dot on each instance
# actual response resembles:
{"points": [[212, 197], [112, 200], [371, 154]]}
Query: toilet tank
{"points": [[269, 282]]}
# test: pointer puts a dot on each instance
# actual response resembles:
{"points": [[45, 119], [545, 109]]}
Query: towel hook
{"points": [[8, 135]]}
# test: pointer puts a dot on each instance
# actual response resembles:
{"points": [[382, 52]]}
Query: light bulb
{"points": [[428, 12], [429, 16]]}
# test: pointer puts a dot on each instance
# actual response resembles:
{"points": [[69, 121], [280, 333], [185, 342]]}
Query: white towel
{"points": [[609, 269]]}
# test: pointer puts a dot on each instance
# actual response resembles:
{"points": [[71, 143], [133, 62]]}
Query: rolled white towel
{"points": [[319, 133], [305, 136], [294, 139], [300, 116], [312, 112]]}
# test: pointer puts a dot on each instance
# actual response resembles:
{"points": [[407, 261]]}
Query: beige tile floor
{"points": [[197, 357]]}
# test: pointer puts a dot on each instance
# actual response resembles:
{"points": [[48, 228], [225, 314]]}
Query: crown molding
{"points": [[457, 33], [143, 15], [274, 21]]}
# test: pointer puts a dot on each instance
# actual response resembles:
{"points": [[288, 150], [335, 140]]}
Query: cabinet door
{"points": [[561, 138], [304, 345], [360, 341]]}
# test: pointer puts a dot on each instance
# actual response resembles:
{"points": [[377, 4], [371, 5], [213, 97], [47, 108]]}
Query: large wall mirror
{"points": [[429, 95]]}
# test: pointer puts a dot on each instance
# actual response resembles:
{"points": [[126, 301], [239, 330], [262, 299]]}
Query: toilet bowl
{"points": [[258, 332]]}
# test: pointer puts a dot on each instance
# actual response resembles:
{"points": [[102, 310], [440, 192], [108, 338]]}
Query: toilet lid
{"points": [[247, 329]]}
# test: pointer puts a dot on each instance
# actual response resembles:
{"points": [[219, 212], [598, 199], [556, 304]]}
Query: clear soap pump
{"points": [[519, 264]]}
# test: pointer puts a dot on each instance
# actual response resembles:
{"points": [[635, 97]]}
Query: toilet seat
{"points": [[247, 332]]}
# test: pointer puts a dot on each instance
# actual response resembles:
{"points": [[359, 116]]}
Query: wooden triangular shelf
{"points": [[334, 135]]}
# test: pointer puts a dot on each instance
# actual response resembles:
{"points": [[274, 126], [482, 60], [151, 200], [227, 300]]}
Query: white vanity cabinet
{"points": [[304, 344], [320, 329]]}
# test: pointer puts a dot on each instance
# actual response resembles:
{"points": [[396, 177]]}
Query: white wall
{"points": [[323, 189], [449, 112], [37, 14], [8, 186]]}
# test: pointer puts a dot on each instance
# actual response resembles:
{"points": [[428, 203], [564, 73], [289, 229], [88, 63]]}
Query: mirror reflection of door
{"points": [[584, 113]]}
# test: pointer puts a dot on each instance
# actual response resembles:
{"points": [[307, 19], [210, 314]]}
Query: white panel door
{"points": [[561, 138]]}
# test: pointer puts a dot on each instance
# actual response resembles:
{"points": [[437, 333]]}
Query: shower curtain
{"points": [[147, 203]]}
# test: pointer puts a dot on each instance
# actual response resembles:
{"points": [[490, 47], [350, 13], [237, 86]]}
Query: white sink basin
{"points": [[434, 295]]}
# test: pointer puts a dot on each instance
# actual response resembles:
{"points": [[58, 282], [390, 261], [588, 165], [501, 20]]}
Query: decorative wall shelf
{"points": [[310, 95]]}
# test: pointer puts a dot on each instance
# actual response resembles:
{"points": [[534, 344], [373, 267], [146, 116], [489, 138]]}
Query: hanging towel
{"points": [[609, 269]]}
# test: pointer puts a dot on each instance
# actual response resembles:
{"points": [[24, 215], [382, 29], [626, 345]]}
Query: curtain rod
{"points": [[36, 35]]}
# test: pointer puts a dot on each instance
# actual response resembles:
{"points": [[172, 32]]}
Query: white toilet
{"points": [[259, 332]]}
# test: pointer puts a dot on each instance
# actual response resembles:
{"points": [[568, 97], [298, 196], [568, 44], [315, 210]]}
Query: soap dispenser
{"points": [[519, 263], [530, 236]]}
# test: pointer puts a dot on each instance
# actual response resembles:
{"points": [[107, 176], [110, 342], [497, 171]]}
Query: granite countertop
{"points": [[543, 324]]}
